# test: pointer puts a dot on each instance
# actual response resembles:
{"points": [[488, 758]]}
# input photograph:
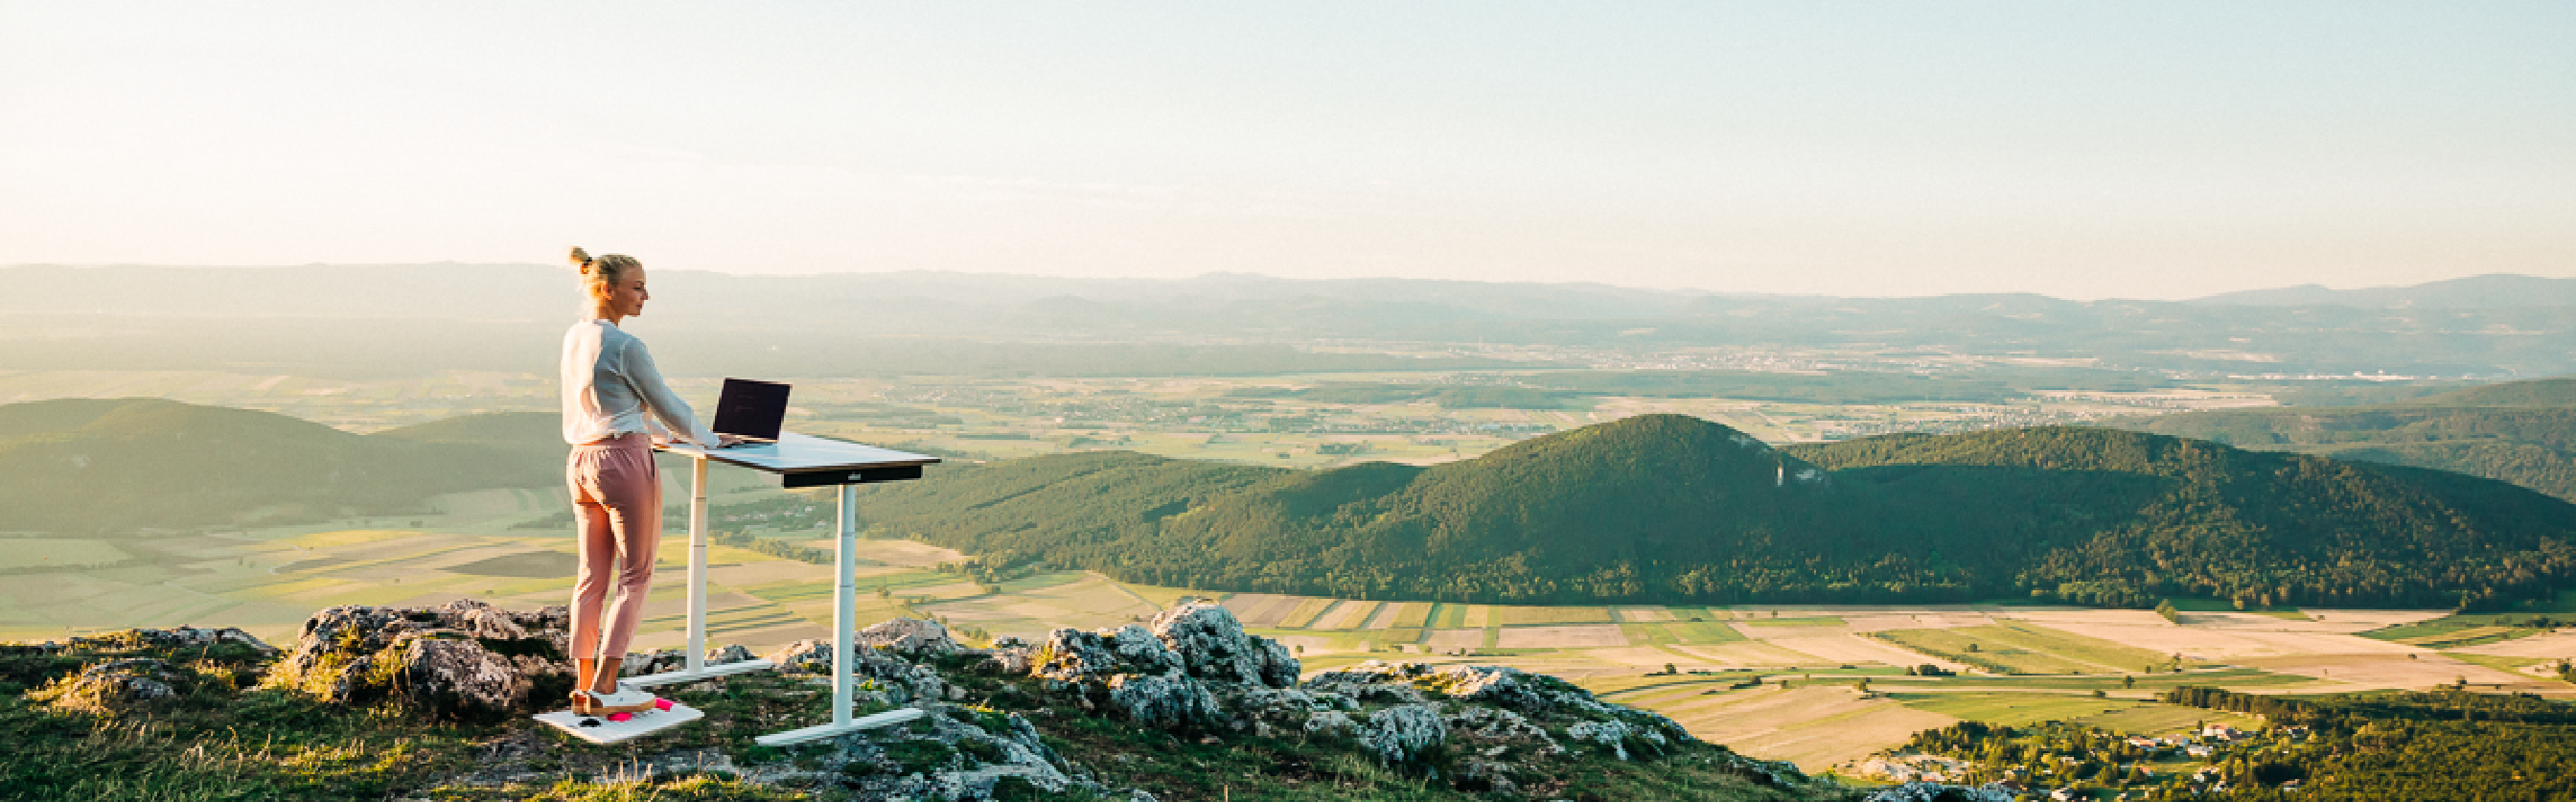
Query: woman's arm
{"points": [[659, 401]]}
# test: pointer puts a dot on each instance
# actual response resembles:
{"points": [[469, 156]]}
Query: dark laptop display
{"points": [[751, 409]]}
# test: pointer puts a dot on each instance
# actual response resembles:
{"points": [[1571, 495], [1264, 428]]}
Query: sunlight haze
{"points": [[2137, 150]]}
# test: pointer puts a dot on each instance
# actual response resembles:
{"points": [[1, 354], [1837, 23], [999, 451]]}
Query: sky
{"points": [[2082, 150]]}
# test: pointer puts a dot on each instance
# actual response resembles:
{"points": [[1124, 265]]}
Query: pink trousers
{"points": [[617, 510]]}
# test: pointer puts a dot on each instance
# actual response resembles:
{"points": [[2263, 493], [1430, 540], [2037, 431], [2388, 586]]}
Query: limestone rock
{"points": [[1163, 702], [115, 686], [1212, 645], [1331, 724], [1401, 733], [1937, 792], [1071, 655], [1292, 704], [905, 681], [1617, 735], [1501, 727], [180, 638], [463, 658], [911, 637]]}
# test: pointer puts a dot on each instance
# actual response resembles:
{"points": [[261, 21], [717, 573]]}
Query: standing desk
{"points": [[800, 461]]}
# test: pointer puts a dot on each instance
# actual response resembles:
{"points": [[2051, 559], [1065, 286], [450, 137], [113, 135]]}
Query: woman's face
{"points": [[626, 297]]}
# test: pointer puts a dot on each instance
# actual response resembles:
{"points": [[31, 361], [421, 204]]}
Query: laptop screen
{"points": [[752, 409]]}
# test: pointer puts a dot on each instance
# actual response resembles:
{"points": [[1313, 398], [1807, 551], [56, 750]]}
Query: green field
{"points": [[2025, 709]]}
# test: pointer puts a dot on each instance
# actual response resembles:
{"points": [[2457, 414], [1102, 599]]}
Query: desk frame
{"points": [[855, 468]]}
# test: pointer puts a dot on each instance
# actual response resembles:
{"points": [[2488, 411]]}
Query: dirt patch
{"points": [[1815, 726], [1848, 648], [1645, 614], [1561, 637]]}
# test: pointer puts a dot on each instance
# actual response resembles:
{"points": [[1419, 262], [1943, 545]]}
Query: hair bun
{"points": [[580, 258]]}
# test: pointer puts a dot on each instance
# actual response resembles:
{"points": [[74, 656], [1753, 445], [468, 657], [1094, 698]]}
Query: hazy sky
{"points": [[2084, 150]]}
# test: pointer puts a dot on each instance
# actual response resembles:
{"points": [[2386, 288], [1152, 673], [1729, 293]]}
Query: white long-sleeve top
{"points": [[609, 384]]}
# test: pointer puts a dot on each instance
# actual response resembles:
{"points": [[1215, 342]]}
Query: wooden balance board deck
{"points": [[604, 731]]}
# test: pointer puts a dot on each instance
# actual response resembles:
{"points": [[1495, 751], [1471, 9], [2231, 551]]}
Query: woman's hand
{"points": [[729, 440]]}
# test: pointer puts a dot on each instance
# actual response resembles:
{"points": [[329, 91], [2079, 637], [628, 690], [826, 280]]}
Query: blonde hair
{"points": [[600, 274]]}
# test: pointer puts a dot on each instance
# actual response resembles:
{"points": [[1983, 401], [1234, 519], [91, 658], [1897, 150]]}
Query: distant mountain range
{"points": [[334, 320], [1669, 509], [2520, 432], [2493, 291]]}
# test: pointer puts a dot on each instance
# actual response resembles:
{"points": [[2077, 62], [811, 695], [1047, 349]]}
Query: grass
{"points": [[1410, 615], [1817, 621], [1448, 616], [1702, 632], [2442, 630]]}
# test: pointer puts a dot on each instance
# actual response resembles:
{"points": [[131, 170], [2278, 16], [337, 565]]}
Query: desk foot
{"points": [[703, 672], [600, 730], [829, 730]]}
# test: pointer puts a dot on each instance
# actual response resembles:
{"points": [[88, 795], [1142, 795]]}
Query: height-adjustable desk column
{"points": [[800, 461]]}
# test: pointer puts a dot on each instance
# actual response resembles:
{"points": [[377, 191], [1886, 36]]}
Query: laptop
{"points": [[751, 410]]}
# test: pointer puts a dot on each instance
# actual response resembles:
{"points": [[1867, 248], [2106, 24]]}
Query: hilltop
{"points": [[430, 702], [1671, 509], [2520, 432]]}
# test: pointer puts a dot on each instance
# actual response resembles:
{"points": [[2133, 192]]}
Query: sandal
{"points": [[626, 699]]}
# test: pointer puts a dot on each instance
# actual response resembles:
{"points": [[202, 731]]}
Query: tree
{"points": [[2166, 608]]}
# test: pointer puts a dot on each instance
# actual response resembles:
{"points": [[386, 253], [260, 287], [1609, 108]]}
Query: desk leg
{"points": [[845, 605], [845, 614], [697, 655], [696, 667]]}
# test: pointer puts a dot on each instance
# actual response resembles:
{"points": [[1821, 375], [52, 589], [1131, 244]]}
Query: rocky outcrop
{"points": [[900, 681], [1401, 734], [1937, 792], [462, 659], [1212, 645], [174, 639], [1168, 701], [115, 686], [910, 637]]}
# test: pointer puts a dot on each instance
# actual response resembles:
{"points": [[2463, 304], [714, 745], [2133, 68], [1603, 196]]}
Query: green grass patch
{"points": [[1448, 616], [2446, 627], [2510, 665]]}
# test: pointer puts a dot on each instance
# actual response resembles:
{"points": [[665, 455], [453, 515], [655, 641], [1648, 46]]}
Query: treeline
{"points": [[2445, 745], [2518, 432], [1668, 509]]}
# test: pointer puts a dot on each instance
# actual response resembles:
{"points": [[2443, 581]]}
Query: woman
{"points": [[615, 408]]}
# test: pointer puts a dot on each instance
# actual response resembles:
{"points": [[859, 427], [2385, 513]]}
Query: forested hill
{"points": [[114, 466], [2521, 432], [1663, 508]]}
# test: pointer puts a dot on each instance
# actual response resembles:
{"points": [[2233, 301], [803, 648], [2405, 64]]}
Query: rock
{"points": [[1502, 727], [1616, 735], [1371, 681], [1291, 704], [1937, 792], [729, 653], [1331, 724], [911, 637], [1072, 655], [904, 681], [1163, 702], [1212, 645], [460, 659], [180, 638], [115, 686], [1401, 733]]}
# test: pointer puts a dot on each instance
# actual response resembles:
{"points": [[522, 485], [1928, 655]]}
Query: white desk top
{"points": [[799, 453]]}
